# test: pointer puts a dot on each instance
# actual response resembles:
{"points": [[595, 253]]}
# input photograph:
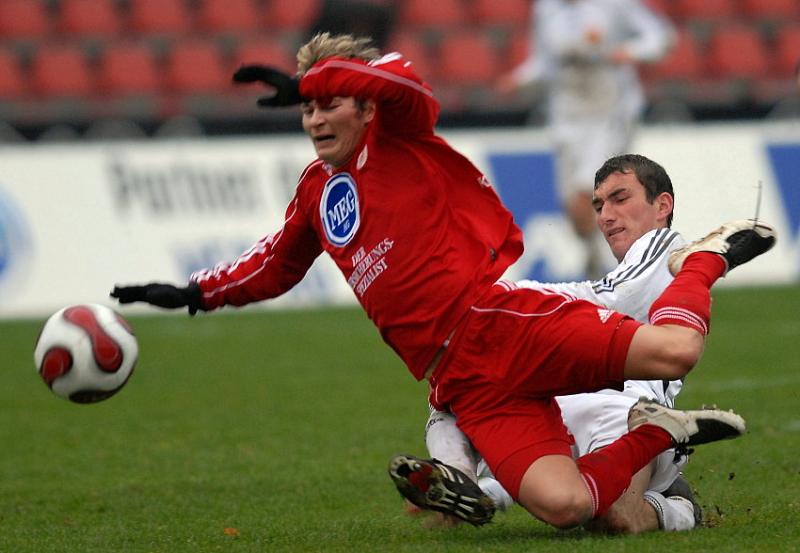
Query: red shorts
{"points": [[514, 351]]}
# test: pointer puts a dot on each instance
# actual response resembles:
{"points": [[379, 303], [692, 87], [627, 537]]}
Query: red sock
{"points": [[607, 472], [687, 300]]}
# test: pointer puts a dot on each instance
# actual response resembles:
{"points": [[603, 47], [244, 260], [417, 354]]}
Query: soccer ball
{"points": [[86, 353]]}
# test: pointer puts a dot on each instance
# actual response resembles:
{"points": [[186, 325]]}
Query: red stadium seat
{"points": [[785, 10], [160, 17], [518, 49], [501, 12], [414, 50], [23, 19], [61, 70], [196, 66], [266, 51], [787, 50], [738, 52], [89, 17], [705, 10], [662, 7], [436, 14], [128, 68], [292, 15], [228, 16], [467, 58], [12, 79], [684, 62]]}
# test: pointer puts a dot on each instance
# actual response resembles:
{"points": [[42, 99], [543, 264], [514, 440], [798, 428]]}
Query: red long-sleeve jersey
{"points": [[414, 227]]}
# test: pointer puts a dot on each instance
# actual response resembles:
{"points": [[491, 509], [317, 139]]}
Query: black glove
{"points": [[162, 295], [287, 88]]}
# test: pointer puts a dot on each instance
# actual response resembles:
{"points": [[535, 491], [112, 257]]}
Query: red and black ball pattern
{"points": [[108, 354]]}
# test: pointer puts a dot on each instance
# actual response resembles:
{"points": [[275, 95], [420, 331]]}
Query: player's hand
{"points": [[287, 87], [161, 295]]}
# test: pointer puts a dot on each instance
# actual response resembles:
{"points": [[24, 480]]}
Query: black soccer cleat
{"points": [[687, 428], [737, 242], [430, 484]]}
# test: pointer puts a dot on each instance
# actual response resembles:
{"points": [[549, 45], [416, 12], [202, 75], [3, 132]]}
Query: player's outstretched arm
{"points": [[161, 295]]}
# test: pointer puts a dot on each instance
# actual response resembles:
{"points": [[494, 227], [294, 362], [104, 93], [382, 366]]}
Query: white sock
{"points": [[449, 445], [491, 487], [674, 513]]}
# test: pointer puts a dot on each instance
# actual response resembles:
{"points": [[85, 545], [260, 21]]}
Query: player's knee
{"points": [[685, 355], [663, 352], [562, 510], [681, 353], [569, 514]]}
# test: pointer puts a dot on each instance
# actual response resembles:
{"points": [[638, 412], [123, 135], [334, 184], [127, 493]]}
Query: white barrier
{"points": [[76, 219]]}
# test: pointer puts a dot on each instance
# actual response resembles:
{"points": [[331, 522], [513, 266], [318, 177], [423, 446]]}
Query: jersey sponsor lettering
{"points": [[372, 273], [338, 209], [369, 266]]}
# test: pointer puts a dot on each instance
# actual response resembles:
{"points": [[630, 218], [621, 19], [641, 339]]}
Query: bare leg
{"points": [[663, 352], [630, 514], [564, 505]]}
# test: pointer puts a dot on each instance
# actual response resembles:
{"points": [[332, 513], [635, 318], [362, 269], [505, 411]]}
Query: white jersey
{"points": [[572, 41], [630, 288], [597, 419]]}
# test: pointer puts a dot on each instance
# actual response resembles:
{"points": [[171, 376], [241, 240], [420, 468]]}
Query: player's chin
{"points": [[618, 245], [328, 153]]}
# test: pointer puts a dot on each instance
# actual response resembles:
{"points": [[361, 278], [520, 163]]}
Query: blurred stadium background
{"points": [[122, 113], [103, 69]]}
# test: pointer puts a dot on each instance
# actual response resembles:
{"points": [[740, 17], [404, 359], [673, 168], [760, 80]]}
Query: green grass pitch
{"points": [[271, 431]]}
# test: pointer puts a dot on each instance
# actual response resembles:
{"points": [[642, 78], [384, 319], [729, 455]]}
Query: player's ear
{"points": [[665, 203], [369, 110]]}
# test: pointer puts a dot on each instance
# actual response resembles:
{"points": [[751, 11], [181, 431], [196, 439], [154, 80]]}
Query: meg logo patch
{"points": [[338, 209]]}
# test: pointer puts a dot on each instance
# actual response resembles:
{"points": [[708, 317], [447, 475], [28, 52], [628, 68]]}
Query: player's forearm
{"points": [[271, 267], [653, 38]]}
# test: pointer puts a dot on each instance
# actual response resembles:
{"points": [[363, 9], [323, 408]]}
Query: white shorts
{"points": [[596, 420], [582, 148]]}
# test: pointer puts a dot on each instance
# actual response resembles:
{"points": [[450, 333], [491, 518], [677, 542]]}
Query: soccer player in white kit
{"points": [[584, 55], [636, 193]]}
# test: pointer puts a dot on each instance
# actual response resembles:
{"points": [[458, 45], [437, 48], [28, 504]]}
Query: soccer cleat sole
{"points": [[435, 486]]}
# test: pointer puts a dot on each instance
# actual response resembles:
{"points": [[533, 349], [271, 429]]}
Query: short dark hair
{"points": [[652, 175]]}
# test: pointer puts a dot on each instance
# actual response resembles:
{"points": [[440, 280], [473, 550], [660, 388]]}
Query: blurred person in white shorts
{"points": [[583, 57]]}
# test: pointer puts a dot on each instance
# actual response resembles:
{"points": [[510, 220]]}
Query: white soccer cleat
{"points": [[737, 242], [680, 489], [687, 428]]}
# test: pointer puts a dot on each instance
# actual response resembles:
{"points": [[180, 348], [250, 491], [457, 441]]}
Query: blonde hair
{"points": [[323, 45]]}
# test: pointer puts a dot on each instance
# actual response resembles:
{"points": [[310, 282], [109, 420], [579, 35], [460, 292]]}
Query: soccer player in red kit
{"points": [[422, 238]]}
